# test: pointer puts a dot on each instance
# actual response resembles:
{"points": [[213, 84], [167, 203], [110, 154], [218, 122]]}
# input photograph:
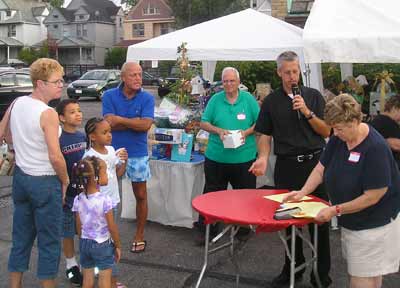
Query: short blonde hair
{"points": [[43, 68], [342, 109]]}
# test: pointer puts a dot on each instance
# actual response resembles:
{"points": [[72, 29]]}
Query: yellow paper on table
{"points": [[279, 197], [308, 209]]}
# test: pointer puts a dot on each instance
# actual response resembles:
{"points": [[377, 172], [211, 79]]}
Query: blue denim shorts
{"points": [[69, 225], [37, 214], [138, 169], [93, 254]]}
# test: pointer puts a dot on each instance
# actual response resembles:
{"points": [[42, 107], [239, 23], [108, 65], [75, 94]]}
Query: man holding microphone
{"points": [[292, 115]]}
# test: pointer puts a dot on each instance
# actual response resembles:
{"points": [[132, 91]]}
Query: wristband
{"points": [[312, 115], [338, 211]]}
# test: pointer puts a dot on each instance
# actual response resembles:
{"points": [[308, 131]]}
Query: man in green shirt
{"points": [[229, 110]]}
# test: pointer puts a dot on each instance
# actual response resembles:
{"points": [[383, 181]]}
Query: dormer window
{"points": [[81, 17], [55, 16], [151, 10]]}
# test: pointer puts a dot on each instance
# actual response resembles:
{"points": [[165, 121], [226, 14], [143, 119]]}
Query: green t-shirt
{"points": [[238, 116]]}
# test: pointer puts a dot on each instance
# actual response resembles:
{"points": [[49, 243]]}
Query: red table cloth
{"points": [[246, 207]]}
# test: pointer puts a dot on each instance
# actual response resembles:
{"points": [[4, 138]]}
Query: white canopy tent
{"points": [[356, 31], [247, 35]]}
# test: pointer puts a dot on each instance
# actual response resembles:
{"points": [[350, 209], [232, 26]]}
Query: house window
{"points": [[12, 30], [81, 30], [138, 30], [151, 10], [8, 13], [65, 31], [120, 22], [87, 53], [300, 6], [81, 17], [55, 16], [55, 26], [164, 28]]}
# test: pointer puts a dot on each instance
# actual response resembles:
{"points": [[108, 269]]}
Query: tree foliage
{"points": [[29, 55], [252, 72], [130, 3], [115, 57], [55, 3], [190, 12]]}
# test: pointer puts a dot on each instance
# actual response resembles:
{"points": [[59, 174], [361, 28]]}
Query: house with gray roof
{"points": [[21, 25], [84, 30]]}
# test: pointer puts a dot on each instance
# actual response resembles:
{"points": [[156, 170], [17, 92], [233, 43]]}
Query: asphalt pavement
{"points": [[172, 260]]}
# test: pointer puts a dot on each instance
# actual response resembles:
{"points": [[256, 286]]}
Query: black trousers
{"points": [[218, 175], [290, 174]]}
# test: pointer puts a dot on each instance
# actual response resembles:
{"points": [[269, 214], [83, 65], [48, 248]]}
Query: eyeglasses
{"points": [[59, 82]]}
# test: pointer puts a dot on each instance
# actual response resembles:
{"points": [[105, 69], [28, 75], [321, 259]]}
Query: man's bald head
{"points": [[130, 65], [131, 75]]}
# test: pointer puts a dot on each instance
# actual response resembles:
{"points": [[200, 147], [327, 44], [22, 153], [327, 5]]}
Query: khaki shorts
{"points": [[372, 252]]}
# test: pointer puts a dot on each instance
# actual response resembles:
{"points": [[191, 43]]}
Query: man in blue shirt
{"points": [[130, 111]]}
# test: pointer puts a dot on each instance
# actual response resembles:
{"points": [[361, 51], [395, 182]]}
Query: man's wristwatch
{"points": [[312, 115]]}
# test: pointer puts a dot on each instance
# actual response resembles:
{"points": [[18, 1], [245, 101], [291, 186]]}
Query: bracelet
{"points": [[338, 211], [312, 115]]}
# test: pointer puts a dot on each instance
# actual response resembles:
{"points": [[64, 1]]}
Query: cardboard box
{"points": [[233, 140], [168, 136]]}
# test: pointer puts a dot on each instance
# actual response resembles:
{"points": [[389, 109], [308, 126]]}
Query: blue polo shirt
{"points": [[140, 106]]}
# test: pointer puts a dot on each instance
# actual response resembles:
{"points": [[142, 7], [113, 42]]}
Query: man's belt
{"points": [[302, 157]]}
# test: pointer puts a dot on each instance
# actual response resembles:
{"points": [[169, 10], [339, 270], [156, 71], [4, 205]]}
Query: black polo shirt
{"points": [[349, 173], [292, 136], [388, 129]]}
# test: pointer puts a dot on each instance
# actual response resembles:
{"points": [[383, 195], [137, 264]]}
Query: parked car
{"points": [[150, 80], [25, 69], [14, 84], [72, 75], [165, 86], [93, 83]]}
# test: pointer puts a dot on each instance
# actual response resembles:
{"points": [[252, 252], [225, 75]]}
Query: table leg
{"points": [[203, 269], [293, 257], [315, 252], [234, 230]]}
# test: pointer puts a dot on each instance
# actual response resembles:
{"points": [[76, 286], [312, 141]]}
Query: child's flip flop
{"points": [[138, 246]]}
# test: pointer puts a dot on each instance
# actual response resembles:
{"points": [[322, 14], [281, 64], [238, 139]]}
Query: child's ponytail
{"points": [[82, 171]]}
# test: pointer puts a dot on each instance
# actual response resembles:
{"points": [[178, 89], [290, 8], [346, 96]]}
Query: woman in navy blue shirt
{"points": [[363, 184]]}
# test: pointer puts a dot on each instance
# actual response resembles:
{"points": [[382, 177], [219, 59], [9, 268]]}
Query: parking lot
{"points": [[172, 260]]}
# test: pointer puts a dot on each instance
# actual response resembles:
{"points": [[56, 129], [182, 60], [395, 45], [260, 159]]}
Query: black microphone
{"points": [[296, 91]]}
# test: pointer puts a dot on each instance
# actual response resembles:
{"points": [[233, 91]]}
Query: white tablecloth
{"points": [[170, 192]]}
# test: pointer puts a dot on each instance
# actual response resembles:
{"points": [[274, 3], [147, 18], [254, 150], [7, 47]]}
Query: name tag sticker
{"points": [[241, 116], [354, 157]]}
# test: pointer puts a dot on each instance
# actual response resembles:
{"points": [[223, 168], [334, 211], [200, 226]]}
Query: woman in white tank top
{"points": [[40, 178]]}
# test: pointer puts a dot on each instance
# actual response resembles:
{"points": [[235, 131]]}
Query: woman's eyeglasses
{"points": [[59, 82]]}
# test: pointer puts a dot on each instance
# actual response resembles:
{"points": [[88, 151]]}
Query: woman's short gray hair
{"points": [[342, 109], [286, 56], [226, 69]]}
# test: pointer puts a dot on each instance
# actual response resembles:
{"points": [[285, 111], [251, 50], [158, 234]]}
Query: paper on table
{"points": [[279, 197], [308, 209]]}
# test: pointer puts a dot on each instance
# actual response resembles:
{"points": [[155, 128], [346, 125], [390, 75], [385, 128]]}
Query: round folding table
{"points": [[249, 207]]}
